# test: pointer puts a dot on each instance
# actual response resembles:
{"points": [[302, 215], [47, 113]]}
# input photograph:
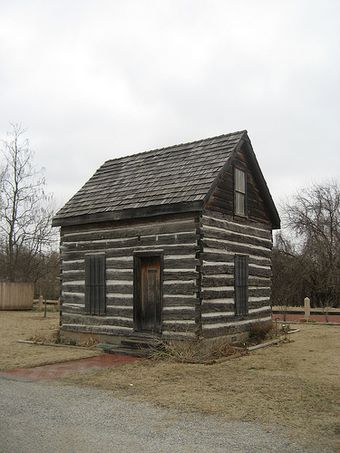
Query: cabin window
{"points": [[241, 284], [95, 284], [240, 192]]}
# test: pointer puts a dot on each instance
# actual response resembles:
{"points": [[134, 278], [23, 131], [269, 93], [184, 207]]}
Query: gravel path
{"points": [[49, 417]]}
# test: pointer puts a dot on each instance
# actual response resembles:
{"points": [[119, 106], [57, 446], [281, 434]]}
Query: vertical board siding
{"points": [[16, 296], [223, 239], [176, 237]]}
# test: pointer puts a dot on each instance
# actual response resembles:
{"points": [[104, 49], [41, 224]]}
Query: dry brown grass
{"points": [[24, 325], [195, 351], [208, 352], [294, 385]]}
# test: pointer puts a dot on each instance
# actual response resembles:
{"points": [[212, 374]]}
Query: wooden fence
{"points": [[305, 313], [16, 296]]}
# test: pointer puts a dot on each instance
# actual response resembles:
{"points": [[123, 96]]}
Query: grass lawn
{"points": [[21, 325], [294, 385]]}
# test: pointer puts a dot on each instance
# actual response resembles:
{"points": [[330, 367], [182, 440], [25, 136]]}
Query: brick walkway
{"points": [[59, 370]]}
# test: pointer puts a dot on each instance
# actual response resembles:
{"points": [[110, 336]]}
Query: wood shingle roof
{"points": [[176, 175]]}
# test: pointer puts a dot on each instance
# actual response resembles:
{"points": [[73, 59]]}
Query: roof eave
{"points": [[225, 167], [274, 215], [128, 214]]}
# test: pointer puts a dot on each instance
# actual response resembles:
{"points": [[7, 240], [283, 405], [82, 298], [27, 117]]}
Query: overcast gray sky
{"points": [[93, 80]]}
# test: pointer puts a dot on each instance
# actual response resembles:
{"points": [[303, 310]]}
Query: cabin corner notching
{"points": [[179, 247]]}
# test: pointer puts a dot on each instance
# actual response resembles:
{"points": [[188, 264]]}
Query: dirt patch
{"points": [[294, 385], [22, 325]]}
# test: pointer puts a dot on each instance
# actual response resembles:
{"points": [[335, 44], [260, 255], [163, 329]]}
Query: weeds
{"points": [[53, 337], [259, 331], [196, 351]]}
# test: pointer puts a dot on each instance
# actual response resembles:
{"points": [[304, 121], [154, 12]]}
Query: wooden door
{"points": [[148, 297]]}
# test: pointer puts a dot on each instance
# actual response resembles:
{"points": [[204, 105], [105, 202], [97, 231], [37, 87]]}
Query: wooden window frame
{"points": [[241, 290], [137, 257], [94, 292], [240, 192]]}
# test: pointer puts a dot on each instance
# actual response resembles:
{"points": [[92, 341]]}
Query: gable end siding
{"points": [[223, 197]]}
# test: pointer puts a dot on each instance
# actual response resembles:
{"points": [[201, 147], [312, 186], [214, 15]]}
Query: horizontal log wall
{"points": [[175, 235], [222, 238]]}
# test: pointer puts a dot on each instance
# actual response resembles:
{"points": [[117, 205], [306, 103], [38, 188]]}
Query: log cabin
{"points": [[173, 243]]}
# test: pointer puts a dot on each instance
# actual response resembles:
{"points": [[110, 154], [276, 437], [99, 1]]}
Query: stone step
{"points": [[113, 349], [141, 343]]}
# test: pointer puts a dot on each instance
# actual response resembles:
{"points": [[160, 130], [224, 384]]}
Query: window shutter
{"points": [[95, 284], [241, 284], [101, 284], [88, 284]]}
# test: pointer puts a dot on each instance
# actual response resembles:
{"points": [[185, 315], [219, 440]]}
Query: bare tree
{"points": [[314, 216], [26, 210], [289, 280]]}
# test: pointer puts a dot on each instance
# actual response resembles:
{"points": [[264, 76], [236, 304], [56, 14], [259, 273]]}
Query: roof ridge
{"points": [[242, 132], [172, 178]]}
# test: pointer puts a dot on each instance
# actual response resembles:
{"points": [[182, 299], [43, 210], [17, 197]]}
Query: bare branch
{"points": [[313, 215], [26, 212]]}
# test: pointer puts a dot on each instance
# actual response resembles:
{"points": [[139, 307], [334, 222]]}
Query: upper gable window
{"points": [[240, 192]]}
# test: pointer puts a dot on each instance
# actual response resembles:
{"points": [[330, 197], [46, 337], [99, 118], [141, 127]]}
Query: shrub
{"points": [[195, 351], [258, 331]]}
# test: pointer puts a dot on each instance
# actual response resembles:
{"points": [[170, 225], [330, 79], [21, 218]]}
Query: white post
{"points": [[307, 307]]}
